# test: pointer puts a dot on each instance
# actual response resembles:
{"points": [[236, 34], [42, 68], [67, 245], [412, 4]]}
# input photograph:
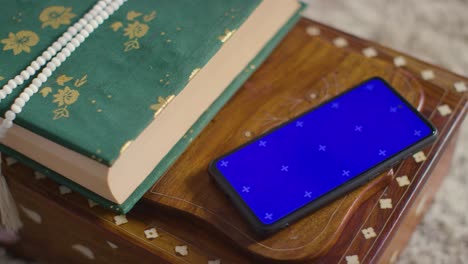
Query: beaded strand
{"points": [[50, 52], [56, 54]]}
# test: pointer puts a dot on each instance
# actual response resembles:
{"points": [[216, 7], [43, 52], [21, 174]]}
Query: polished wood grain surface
{"points": [[302, 73], [312, 64]]}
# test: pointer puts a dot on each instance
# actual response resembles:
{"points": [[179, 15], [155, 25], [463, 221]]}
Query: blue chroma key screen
{"points": [[311, 155]]}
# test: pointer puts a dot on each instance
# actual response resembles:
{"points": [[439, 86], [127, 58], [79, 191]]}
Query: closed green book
{"points": [[130, 99]]}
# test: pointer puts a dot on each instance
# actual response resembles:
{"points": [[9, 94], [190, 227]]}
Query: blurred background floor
{"points": [[435, 31]]}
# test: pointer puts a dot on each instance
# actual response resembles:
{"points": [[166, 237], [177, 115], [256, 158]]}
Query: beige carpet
{"points": [[436, 31]]}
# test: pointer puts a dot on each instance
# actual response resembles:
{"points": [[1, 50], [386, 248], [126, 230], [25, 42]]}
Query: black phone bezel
{"points": [[265, 229]]}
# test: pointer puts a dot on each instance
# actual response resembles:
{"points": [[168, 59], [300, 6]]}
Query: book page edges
{"points": [[58, 158], [202, 91]]}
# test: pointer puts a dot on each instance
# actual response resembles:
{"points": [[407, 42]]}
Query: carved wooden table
{"points": [[184, 218]]}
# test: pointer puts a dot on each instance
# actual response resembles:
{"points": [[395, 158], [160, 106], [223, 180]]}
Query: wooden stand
{"points": [[190, 213]]}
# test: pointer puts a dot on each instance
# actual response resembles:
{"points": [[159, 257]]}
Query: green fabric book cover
{"points": [[107, 93]]}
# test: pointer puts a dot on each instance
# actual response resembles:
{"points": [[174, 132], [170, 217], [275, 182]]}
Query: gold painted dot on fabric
{"points": [[227, 35], [93, 101], [194, 72], [109, 96], [168, 41], [163, 33], [125, 146], [98, 151], [178, 29], [99, 110], [161, 104]]}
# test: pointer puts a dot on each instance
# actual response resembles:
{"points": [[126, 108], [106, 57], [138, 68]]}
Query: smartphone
{"points": [[320, 155]]}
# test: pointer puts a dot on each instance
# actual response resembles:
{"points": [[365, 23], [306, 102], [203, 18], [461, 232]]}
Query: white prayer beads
{"points": [[40, 61], [57, 53]]}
